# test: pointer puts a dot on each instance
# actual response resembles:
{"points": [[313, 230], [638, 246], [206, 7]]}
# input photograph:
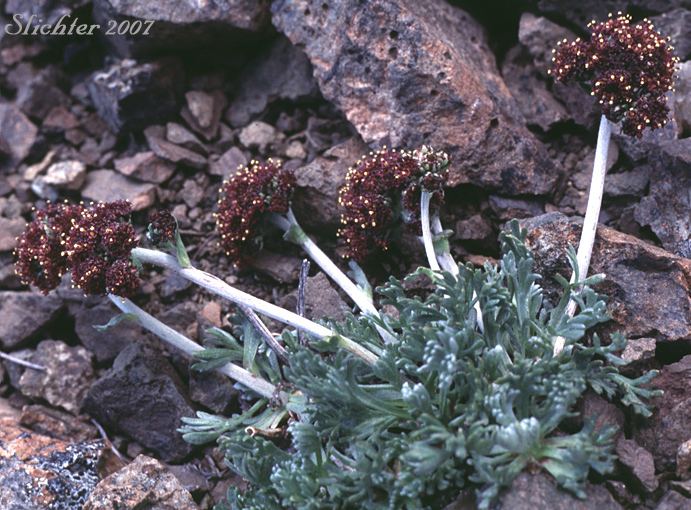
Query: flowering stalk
{"points": [[427, 232], [221, 288], [19, 361], [181, 342]]}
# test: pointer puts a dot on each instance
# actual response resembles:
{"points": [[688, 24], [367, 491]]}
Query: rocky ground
{"points": [[161, 119]]}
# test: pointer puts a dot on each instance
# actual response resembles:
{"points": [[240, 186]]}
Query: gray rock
{"points": [[142, 396], [284, 72], [682, 100], [17, 132], [104, 345], [668, 428], [10, 228], [322, 301], [213, 390], [179, 135], [510, 208], [38, 472], [638, 462], [673, 501], [407, 73], [47, 11], [667, 207], [228, 163], [182, 26], [675, 25], [540, 492], [259, 135], [539, 35], [129, 95], [318, 183], [69, 175], [24, 315], [475, 228], [603, 413], [648, 288], [582, 12], [58, 424], [108, 185], [145, 166], [155, 137], [639, 352], [282, 268], [203, 112], [145, 483], [66, 379], [632, 183], [37, 96]]}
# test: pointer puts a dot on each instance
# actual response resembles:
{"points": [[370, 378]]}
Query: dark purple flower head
{"points": [[39, 258], [162, 227], [629, 69], [122, 278], [380, 183], [245, 198], [86, 240]]}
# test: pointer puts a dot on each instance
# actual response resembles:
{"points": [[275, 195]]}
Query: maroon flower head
{"points": [[245, 199], [380, 183], [162, 227], [39, 258], [122, 278], [629, 69]]}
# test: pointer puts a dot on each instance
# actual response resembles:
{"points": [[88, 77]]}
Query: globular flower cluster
{"points": [[629, 68], [39, 258], [92, 242], [162, 227], [245, 199], [382, 187]]}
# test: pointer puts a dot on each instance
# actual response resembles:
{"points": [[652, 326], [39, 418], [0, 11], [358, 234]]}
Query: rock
{"points": [[142, 396], [145, 483], [673, 501], [203, 112], [667, 208], [67, 376], [474, 228], [639, 352], [55, 423], [38, 472], [322, 301], [675, 25], [17, 132], [129, 95], [104, 345], [107, 185], [24, 315], [539, 36], [47, 11], [68, 175], [192, 478], [632, 183], [228, 163], [583, 12], [145, 166], [648, 288], [407, 73], [179, 135], [282, 73], [186, 26], [59, 119], [668, 428], [602, 412], [174, 284], [214, 391], [171, 152], [282, 268], [539, 491], [258, 135], [514, 208], [318, 183], [682, 100], [638, 462], [191, 193], [295, 150], [9, 230], [684, 460], [38, 95]]}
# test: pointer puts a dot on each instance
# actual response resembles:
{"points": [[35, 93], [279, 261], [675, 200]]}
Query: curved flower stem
{"points": [[443, 257], [294, 233], [592, 214], [427, 232], [221, 288], [181, 342]]}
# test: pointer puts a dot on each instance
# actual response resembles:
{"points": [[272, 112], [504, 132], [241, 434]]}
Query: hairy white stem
{"points": [[181, 342], [592, 214], [360, 298], [19, 361], [427, 232], [221, 288]]}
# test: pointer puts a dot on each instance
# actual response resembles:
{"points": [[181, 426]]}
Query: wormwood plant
{"points": [[444, 408]]}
